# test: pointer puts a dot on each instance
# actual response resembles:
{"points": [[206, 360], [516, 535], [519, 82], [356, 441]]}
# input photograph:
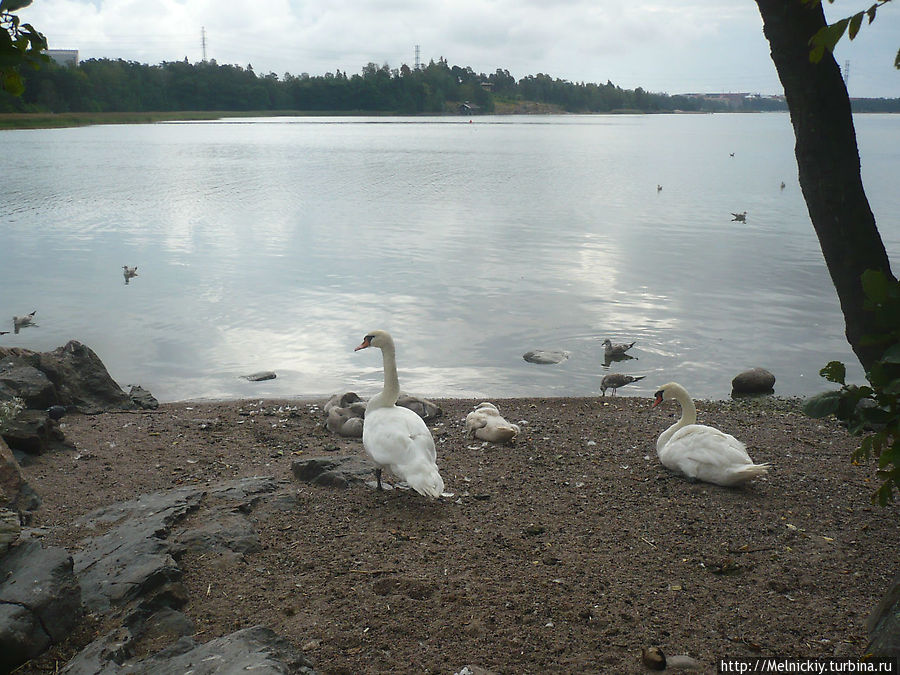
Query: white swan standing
{"points": [[701, 452], [395, 437]]}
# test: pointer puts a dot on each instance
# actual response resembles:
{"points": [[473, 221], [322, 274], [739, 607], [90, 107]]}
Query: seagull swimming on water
{"points": [[739, 217], [129, 272], [23, 321], [612, 349]]}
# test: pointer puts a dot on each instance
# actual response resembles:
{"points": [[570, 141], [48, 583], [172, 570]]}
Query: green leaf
{"points": [[875, 284], [13, 5], [891, 456], [855, 23], [818, 51], [11, 82], [835, 371], [892, 354], [897, 60], [833, 33], [822, 405], [864, 449]]}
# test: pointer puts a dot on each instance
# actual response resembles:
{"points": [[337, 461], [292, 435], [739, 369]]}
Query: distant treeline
{"points": [[106, 85]]}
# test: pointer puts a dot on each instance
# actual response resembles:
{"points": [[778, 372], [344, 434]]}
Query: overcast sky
{"points": [[673, 46]]}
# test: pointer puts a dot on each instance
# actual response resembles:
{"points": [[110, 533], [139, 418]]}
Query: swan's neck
{"points": [[391, 391], [688, 416]]}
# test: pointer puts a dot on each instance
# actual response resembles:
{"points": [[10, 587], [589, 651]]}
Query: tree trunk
{"points": [[828, 161]]}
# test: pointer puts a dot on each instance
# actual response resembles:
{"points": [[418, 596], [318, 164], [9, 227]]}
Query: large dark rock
{"points": [[15, 493], [753, 381], [332, 471], [257, 650], [134, 557], [81, 379], [19, 378], [32, 432], [142, 398], [884, 624], [40, 601], [77, 374], [132, 570]]}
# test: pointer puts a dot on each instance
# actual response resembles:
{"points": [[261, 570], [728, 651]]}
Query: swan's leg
{"points": [[378, 478]]}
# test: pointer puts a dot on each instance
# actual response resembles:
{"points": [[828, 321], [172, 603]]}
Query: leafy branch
{"points": [[830, 35], [872, 411], [20, 44]]}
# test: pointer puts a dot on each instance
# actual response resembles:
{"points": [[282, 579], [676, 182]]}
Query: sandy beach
{"points": [[567, 552]]}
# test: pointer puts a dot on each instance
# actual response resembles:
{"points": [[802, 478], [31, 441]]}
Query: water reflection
{"points": [[277, 244]]}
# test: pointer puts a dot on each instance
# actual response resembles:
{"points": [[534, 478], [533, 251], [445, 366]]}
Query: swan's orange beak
{"points": [[365, 343], [659, 399]]}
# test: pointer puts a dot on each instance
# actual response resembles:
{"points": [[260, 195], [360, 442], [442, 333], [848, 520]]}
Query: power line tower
{"points": [[203, 41], [418, 63], [847, 73]]}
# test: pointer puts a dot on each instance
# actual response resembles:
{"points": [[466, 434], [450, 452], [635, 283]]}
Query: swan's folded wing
{"points": [[706, 445], [397, 435]]}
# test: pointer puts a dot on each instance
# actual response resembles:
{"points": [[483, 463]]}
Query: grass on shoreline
{"points": [[61, 120]]}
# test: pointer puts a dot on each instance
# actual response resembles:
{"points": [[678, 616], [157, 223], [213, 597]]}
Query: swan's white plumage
{"points": [[486, 423], [395, 437], [699, 451]]}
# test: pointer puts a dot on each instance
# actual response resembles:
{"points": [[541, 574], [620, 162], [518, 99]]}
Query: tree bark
{"points": [[828, 162]]}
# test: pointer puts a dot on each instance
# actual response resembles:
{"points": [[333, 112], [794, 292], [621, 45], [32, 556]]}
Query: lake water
{"points": [[277, 244]]}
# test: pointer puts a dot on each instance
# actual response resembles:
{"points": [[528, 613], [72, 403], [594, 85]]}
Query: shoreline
{"points": [[574, 540]]}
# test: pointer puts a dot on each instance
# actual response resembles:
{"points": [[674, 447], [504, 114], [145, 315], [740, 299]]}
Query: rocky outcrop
{"points": [[142, 398], [15, 494], [19, 377], [77, 377], [40, 601], [71, 378], [32, 432], [753, 381], [131, 570], [256, 649], [884, 624], [333, 471]]}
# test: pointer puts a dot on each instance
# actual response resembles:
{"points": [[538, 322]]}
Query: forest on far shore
{"points": [[118, 86]]}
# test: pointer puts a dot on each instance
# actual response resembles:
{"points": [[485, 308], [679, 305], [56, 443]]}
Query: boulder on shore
{"points": [[76, 375], [753, 381], [40, 601]]}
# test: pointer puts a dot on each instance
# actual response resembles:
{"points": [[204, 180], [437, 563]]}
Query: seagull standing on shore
{"points": [[615, 380]]}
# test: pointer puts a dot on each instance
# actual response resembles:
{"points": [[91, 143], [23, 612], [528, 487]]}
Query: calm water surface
{"points": [[276, 244]]}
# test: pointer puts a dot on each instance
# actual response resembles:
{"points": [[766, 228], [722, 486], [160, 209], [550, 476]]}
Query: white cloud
{"points": [[691, 45]]}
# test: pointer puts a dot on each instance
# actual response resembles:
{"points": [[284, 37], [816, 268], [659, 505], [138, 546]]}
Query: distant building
{"points": [[64, 57], [733, 100]]}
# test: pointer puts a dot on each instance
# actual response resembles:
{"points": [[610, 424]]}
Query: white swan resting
{"points": [[701, 452], [395, 437], [486, 423]]}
